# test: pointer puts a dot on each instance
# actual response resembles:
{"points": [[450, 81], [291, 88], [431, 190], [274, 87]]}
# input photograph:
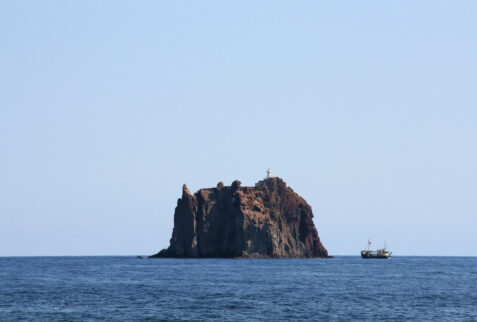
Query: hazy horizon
{"points": [[367, 110]]}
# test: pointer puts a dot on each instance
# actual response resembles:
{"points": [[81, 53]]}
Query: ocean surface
{"points": [[343, 288]]}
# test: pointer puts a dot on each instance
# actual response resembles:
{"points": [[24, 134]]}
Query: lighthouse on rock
{"points": [[269, 174]]}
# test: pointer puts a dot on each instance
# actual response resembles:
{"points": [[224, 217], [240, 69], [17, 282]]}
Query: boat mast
{"points": [[369, 243]]}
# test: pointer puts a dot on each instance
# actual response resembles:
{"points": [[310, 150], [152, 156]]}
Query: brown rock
{"points": [[268, 220]]}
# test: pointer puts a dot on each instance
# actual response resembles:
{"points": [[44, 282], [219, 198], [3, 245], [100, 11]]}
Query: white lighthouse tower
{"points": [[269, 173]]}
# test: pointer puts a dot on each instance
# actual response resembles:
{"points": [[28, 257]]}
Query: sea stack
{"points": [[267, 220]]}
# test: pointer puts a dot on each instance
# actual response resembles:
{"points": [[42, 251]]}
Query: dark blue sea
{"points": [[343, 288]]}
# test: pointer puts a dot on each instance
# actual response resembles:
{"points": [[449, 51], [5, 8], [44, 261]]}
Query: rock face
{"points": [[268, 220]]}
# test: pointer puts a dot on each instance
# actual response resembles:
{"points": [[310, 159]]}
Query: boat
{"points": [[380, 253]]}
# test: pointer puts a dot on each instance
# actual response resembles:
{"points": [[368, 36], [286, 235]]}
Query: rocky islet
{"points": [[267, 220]]}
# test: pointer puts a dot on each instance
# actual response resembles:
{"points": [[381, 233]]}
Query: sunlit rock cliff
{"points": [[268, 220]]}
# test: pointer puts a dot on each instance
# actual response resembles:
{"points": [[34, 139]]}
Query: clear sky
{"points": [[367, 109]]}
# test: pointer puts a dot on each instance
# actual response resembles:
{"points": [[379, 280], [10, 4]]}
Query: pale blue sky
{"points": [[366, 109]]}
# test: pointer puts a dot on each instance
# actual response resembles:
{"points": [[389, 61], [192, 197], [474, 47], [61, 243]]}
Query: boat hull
{"points": [[375, 255]]}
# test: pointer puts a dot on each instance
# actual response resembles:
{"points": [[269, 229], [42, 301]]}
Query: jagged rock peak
{"points": [[236, 184], [185, 190]]}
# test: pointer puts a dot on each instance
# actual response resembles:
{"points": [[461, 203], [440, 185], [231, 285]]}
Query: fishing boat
{"points": [[380, 253]]}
